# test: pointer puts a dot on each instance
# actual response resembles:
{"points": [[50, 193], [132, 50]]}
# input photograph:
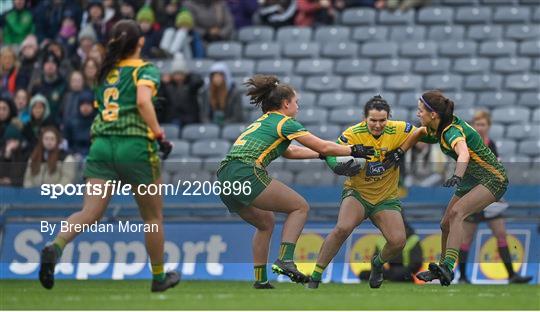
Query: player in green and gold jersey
{"points": [[125, 140], [480, 178], [371, 192], [263, 141]]}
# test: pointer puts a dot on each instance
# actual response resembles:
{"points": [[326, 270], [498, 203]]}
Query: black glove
{"points": [[347, 169], [322, 157], [393, 158], [454, 180], [361, 151], [165, 146]]}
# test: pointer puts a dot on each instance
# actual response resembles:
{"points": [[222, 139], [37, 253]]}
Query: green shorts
{"points": [[131, 159], [496, 186], [387, 204], [236, 170]]}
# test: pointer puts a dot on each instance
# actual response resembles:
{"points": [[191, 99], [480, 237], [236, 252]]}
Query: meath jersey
{"points": [[116, 99], [266, 139], [374, 183], [482, 160]]}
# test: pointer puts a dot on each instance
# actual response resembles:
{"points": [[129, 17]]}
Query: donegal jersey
{"points": [[116, 100], [266, 139], [374, 183], [482, 160]]}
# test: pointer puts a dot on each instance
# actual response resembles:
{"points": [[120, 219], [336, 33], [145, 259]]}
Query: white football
{"points": [[345, 159]]}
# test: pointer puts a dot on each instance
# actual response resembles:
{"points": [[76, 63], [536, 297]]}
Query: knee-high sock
{"points": [[504, 253], [463, 254]]}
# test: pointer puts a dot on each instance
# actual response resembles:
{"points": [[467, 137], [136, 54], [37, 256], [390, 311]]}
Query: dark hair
{"points": [[443, 106], [378, 103], [124, 38], [267, 92], [36, 158]]}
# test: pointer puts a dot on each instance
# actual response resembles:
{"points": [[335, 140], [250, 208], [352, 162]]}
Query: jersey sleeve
{"points": [[148, 75], [452, 136], [404, 131], [291, 129]]}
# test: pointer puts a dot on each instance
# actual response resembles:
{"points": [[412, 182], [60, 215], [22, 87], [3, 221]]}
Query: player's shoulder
{"points": [[398, 127], [358, 128]]}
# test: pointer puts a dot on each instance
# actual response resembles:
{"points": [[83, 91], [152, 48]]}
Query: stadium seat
{"points": [[275, 67], [397, 17], [289, 34], [459, 2], [315, 178], [506, 148], [522, 82], [370, 33], [496, 99], [530, 147], [312, 116], [457, 48], [180, 149], [523, 131], [529, 99], [306, 99], [346, 116], [418, 49], [323, 83], [435, 15], [536, 66], [242, 67], [511, 14], [472, 15], [326, 132], [182, 164], [340, 50], [298, 50], [277, 164], [363, 83], [358, 16], [283, 176], [192, 176], [497, 48], [211, 164], [392, 66], [239, 83], [255, 114], [497, 2], [200, 131], [296, 81], [201, 67], [399, 113], [303, 165], [379, 49], [483, 82], [445, 83], [408, 99], [431, 66], [408, 33], [462, 99], [465, 113], [484, 32], [262, 50], [224, 50], [400, 83], [231, 132], [507, 115], [536, 15], [210, 148], [444, 33], [508, 65], [530, 48], [467, 66], [496, 132], [171, 130], [522, 32], [256, 34], [390, 97], [325, 34], [353, 66], [336, 99], [536, 115], [314, 66]]}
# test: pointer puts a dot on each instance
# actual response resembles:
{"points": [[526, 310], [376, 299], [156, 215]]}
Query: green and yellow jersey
{"points": [[116, 99], [374, 183], [265, 139]]}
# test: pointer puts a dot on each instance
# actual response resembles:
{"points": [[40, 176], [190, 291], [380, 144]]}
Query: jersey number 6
{"points": [[110, 113]]}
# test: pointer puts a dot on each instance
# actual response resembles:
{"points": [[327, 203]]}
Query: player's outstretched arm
{"points": [[413, 139], [300, 152], [328, 148]]}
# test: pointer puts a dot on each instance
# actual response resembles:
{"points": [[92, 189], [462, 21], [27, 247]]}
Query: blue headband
{"points": [[426, 104]]}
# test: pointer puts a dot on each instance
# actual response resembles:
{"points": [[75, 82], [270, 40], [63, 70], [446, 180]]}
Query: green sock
{"points": [[378, 261], [158, 273], [450, 258], [260, 273], [317, 272], [286, 251], [59, 244]]}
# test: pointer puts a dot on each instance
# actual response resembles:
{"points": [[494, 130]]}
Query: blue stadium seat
{"points": [[275, 67], [315, 178], [326, 132], [193, 176], [418, 49], [511, 14], [363, 83], [312, 116], [536, 115], [483, 82], [288, 34], [496, 132], [523, 131], [484, 32], [397, 17], [181, 148], [256, 34], [467, 66], [523, 82], [530, 48], [370, 33], [201, 67], [379, 49], [172, 131], [336, 99], [323, 83], [431, 66], [459, 2], [507, 115], [522, 32], [472, 15], [536, 15], [497, 2], [303, 165], [283, 176], [408, 33], [446, 82], [346, 116], [353, 66], [465, 113], [224, 50], [296, 81], [399, 113], [408, 99], [497, 99], [194, 132], [210, 148], [211, 164], [498, 48], [441, 33], [241, 67], [254, 115], [358, 16], [529, 99], [462, 99], [231, 132], [182, 164], [339, 50], [239, 83], [307, 99], [457, 48], [363, 97], [435, 15], [297, 49], [325, 34], [405, 82], [508, 65], [277, 164], [262, 50], [530, 147], [392, 66], [536, 66], [312, 66]]}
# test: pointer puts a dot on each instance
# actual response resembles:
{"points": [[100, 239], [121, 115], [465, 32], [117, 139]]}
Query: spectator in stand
{"points": [[77, 130], [97, 53], [28, 59], [243, 12], [221, 101], [94, 16], [70, 103], [181, 89], [39, 117], [51, 84], [12, 158], [8, 70], [183, 41], [87, 38], [17, 23], [67, 36], [48, 17], [152, 35], [213, 20], [277, 13], [128, 9], [312, 13], [8, 114], [57, 49], [90, 70], [21, 100], [168, 17], [48, 163]]}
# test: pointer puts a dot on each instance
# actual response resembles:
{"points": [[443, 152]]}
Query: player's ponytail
{"points": [[377, 103], [267, 92], [123, 43], [435, 101]]}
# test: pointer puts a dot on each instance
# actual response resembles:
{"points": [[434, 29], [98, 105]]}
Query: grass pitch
{"points": [[204, 295]]}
